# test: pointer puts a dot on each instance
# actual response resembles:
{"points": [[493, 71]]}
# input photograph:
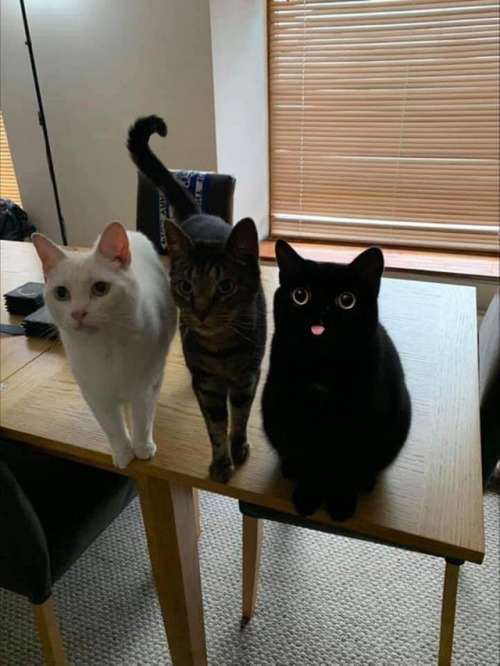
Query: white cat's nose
{"points": [[79, 315]]}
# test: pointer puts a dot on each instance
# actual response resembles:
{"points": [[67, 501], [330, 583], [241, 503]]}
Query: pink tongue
{"points": [[317, 330]]}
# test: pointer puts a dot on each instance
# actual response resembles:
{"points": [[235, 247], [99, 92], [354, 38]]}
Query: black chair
{"points": [[51, 511], [489, 387], [214, 192]]}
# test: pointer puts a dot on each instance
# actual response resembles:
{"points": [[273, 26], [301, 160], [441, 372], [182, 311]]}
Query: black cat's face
{"points": [[323, 303], [213, 282]]}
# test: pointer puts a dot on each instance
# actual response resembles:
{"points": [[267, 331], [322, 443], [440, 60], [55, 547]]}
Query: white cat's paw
{"points": [[146, 450], [122, 458]]}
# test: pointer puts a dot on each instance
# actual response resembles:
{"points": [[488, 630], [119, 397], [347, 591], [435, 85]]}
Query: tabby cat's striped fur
{"points": [[215, 281]]}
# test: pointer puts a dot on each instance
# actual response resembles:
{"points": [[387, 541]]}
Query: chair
{"points": [[51, 511], [214, 192], [489, 387]]}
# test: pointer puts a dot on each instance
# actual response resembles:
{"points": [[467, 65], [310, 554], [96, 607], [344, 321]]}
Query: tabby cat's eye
{"points": [[226, 287], [346, 300], [300, 296], [185, 287], [100, 288], [61, 293]]}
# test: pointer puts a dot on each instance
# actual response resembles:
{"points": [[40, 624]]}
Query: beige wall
{"points": [[240, 90], [101, 64]]}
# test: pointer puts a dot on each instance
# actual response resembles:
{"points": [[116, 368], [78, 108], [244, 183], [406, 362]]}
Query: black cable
{"points": [[41, 120]]}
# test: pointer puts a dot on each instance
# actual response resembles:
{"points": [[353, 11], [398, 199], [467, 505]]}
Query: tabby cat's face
{"points": [[212, 283], [321, 304]]}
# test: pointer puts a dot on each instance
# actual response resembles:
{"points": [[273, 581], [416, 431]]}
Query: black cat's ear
{"points": [[369, 265], [288, 260], [243, 240], [178, 242]]}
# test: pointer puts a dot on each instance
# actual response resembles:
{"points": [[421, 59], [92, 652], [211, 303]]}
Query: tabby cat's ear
{"points": [[50, 255], [288, 260], [114, 245], [369, 265], [243, 239], [178, 242]]}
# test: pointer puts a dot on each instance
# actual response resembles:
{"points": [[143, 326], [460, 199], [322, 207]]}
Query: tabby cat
{"points": [[335, 404], [215, 281]]}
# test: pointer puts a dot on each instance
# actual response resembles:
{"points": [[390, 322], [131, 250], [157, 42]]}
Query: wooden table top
{"points": [[17, 350], [430, 499]]}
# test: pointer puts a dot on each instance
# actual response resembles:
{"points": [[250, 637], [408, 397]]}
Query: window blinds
{"points": [[8, 182], [384, 121]]}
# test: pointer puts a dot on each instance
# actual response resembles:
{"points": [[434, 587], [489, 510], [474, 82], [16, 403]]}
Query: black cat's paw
{"points": [[289, 469], [240, 450], [221, 470], [367, 482], [306, 499], [341, 505]]}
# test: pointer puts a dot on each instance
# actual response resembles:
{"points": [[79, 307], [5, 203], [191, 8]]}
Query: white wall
{"points": [[19, 110], [240, 87], [102, 64]]}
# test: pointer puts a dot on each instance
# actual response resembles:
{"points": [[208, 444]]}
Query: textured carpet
{"points": [[323, 600]]}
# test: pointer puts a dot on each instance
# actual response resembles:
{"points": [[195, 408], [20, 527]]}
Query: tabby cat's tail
{"points": [[147, 162]]}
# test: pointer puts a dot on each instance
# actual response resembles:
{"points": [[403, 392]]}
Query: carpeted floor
{"points": [[323, 600]]}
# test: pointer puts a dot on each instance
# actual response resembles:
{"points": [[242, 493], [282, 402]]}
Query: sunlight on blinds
{"points": [[8, 182], [384, 121]]}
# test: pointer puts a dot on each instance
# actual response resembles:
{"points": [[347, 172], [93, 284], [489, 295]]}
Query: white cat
{"points": [[116, 318]]}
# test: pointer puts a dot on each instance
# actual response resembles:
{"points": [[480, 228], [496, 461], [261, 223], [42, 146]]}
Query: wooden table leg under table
{"points": [[172, 533], [448, 610]]}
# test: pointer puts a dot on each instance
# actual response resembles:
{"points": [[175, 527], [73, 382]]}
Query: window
{"points": [[8, 182], [384, 122]]}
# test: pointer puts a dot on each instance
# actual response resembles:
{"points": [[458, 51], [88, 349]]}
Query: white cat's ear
{"points": [[114, 245], [50, 254]]}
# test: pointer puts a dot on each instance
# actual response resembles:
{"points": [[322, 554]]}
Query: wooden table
{"points": [[430, 500], [16, 351]]}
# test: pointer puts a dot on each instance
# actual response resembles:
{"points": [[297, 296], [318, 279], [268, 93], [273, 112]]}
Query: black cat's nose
{"points": [[323, 315]]}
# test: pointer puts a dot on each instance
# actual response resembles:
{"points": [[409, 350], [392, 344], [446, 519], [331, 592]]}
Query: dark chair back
{"points": [[489, 386], [24, 554], [214, 193]]}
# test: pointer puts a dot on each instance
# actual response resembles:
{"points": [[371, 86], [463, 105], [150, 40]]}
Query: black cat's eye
{"points": [[100, 288], [300, 296], [226, 287], [346, 300], [185, 287], [61, 293]]}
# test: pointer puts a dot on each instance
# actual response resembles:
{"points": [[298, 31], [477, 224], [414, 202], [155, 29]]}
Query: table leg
{"points": [[171, 530], [197, 515], [448, 611], [252, 546]]}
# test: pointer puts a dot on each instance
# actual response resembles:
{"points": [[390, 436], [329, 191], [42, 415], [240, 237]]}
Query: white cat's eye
{"points": [[346, 300], [61, 293], [185, 287], [226, 287], [300, 296], [100, 288]]}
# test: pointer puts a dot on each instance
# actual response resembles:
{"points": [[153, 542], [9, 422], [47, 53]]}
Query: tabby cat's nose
{"points": [[202, 315]]}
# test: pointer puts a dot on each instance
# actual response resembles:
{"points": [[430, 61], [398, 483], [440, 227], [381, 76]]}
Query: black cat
{"points": [[335, 404]]}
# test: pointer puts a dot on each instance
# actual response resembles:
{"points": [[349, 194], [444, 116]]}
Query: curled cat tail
{"points": [[147, 162]]}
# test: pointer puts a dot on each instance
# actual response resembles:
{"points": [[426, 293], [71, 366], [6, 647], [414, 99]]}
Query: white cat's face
{"points": [[92, 291]]}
